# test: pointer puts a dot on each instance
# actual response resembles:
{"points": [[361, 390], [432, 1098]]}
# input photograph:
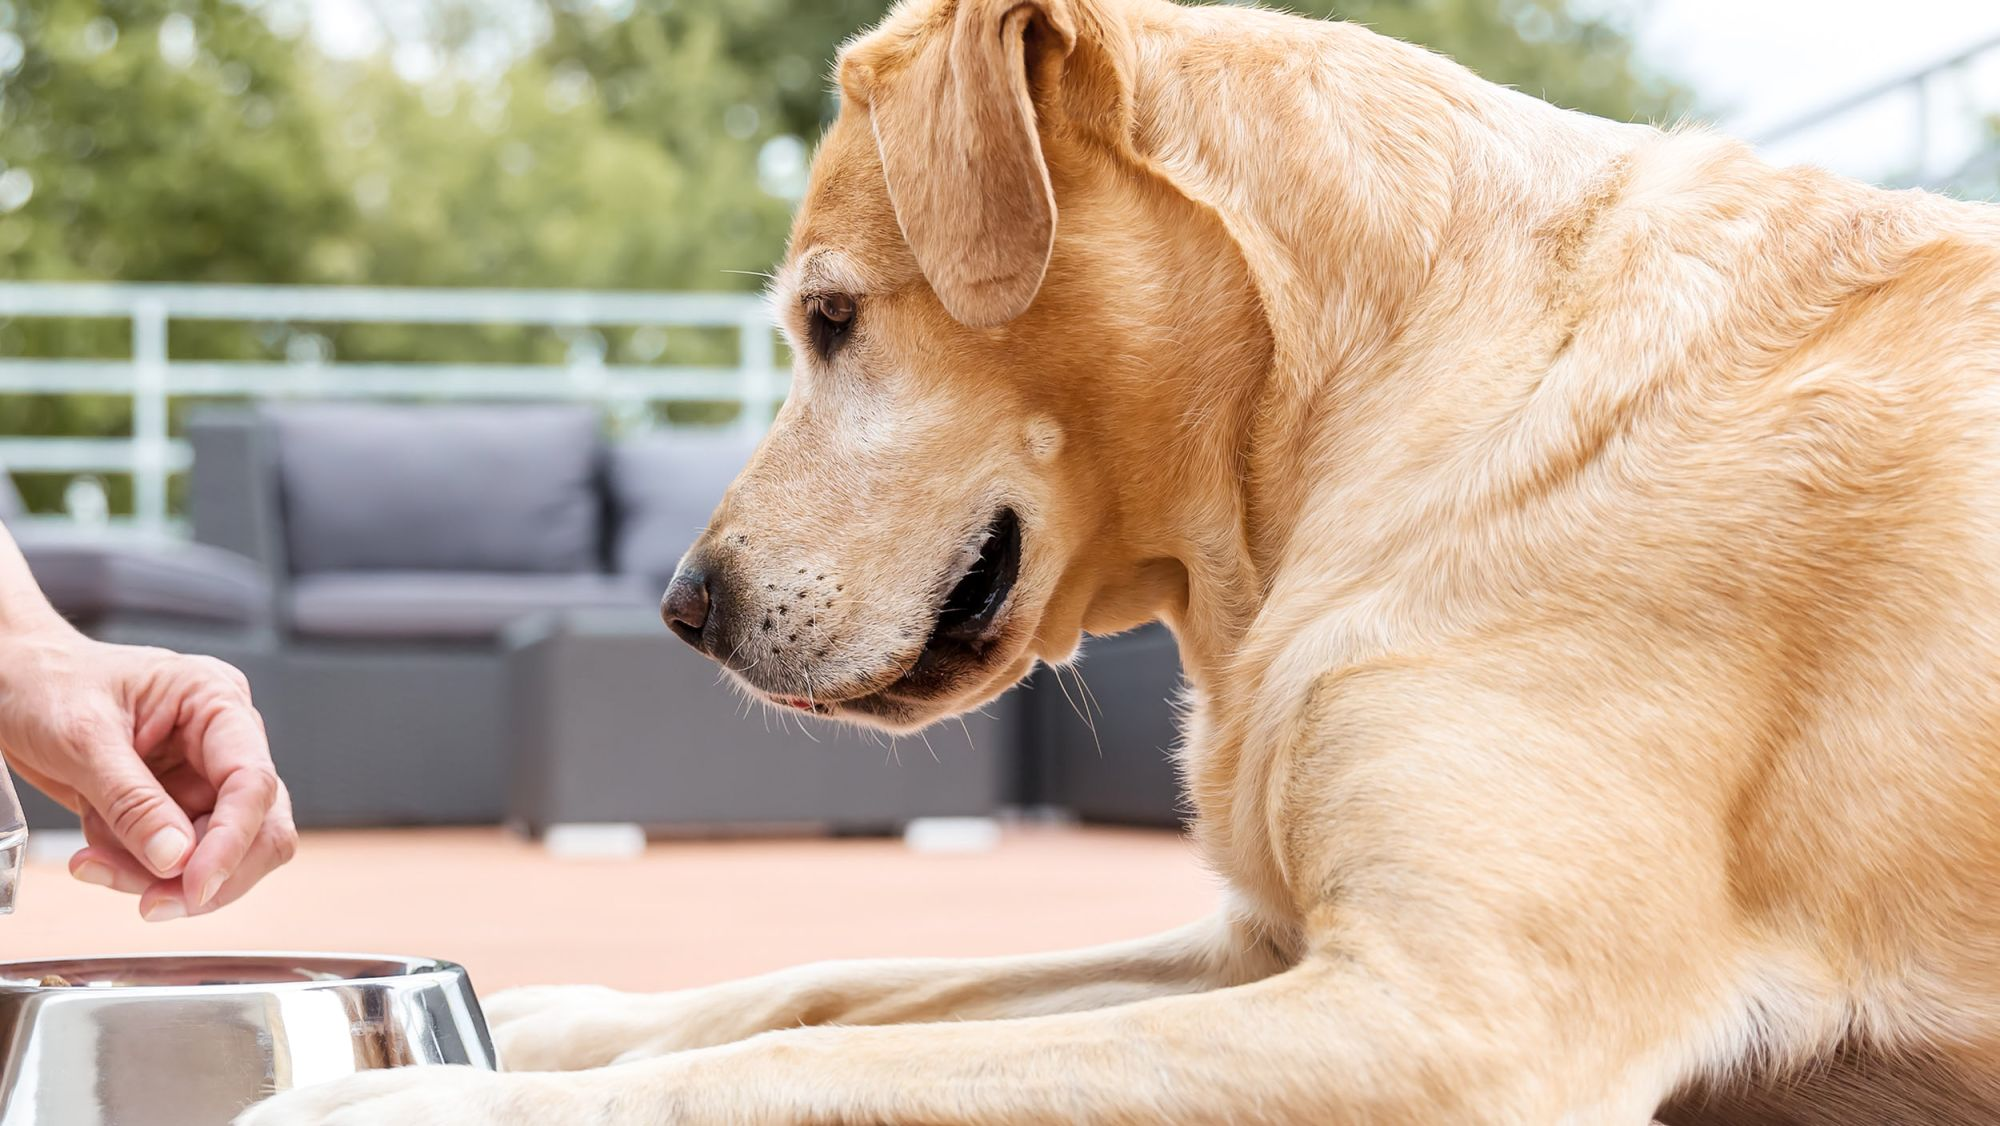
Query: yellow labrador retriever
{"points": [[1583, 540]]}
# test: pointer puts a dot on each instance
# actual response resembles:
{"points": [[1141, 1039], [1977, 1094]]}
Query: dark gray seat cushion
{"points": [[91, 579], [468, 606], [451, 488], [664, 487]]}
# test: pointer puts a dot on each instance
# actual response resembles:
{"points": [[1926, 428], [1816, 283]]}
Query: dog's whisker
{"points": [[1090, 698], [1057, 670], [810, 703]]}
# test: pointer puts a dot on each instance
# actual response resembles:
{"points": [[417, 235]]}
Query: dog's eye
{"points": [[829, 321]]}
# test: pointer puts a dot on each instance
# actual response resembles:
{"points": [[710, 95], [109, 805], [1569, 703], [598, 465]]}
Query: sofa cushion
{"points": [[454, 488], [416, 605], [88, 579], [664, 486]]}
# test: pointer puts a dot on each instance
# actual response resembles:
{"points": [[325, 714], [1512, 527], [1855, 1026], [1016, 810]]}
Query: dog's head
{"points": [[983, 396]]}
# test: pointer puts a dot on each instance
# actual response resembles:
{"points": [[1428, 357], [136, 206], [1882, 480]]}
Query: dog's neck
{"points": [[1374, 168]]}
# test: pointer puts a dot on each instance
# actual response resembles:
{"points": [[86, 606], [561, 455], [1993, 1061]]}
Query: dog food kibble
{"points": [[54, 981]]}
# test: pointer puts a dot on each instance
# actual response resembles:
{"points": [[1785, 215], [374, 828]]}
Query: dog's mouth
{"points": [[968, 618], [969, 621]]}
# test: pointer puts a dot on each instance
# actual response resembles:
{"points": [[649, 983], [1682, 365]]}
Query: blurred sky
{"points": [[1758, 63], [1752, 63]]}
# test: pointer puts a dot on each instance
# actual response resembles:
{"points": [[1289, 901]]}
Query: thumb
{"points": [[131, 801]]}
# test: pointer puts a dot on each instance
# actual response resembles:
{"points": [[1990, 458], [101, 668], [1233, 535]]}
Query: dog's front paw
{"points": [[424, 1096], [573, 1027]]}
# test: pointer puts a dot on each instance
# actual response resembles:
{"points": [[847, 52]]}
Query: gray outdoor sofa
{"points": [[122, 585], [449, 616]]}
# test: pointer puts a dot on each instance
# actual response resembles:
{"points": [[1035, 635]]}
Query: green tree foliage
{"points": [[621, 144], [1571, 54], [165, 141], [773, 57], [148, 142]]}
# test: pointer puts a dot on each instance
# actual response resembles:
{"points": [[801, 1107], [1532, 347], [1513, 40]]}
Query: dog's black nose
{"points": [[688, 610]]}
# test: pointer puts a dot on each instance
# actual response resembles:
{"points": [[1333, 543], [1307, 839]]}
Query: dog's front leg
{"points": [[1509, 913], [1321, 1043], [566, 1028]]}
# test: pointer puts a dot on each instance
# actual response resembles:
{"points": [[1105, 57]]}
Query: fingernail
{"points": [[91, 872], [164, 849], [208, 889], [166, 910]]}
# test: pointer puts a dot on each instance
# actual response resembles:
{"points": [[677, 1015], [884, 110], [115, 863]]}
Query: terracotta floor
{"points": [[683, 914]]}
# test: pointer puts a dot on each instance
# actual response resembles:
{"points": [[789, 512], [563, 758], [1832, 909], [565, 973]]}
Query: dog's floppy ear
{"points": [[955, 124]]}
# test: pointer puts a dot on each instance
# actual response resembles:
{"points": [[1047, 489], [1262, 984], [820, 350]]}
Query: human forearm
{"points": [[23, 607]]}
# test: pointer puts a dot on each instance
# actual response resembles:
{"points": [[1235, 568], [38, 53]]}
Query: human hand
{"points": [[162, 754]]}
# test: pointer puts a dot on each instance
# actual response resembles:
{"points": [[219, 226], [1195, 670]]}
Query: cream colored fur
{"points": [[1584, 545]]}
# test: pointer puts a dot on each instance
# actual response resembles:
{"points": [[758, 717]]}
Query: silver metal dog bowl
{"points": [[192, 1039]]}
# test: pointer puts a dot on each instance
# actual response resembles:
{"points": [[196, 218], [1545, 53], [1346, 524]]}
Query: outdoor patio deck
{"points": [[684, 914]]}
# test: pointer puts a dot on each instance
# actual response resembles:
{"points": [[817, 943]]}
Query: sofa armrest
{"points": [[233, 488]]}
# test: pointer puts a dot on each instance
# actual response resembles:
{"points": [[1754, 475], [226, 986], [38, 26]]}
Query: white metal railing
{"points": [[151, 455], [1950, 103]]}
